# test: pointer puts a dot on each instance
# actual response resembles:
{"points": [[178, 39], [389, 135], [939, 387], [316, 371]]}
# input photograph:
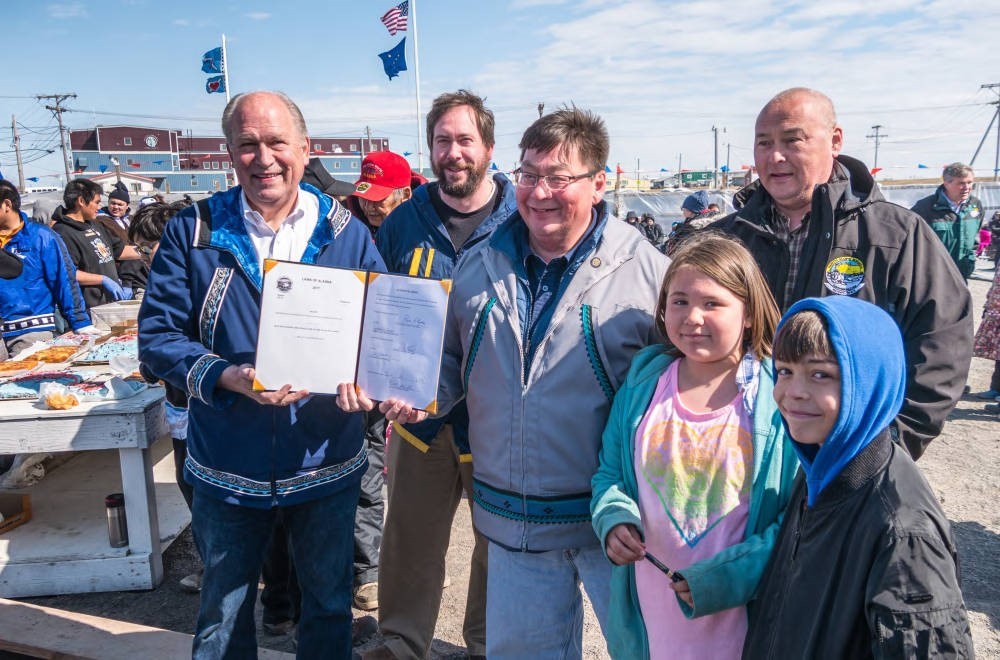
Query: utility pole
{"points": [[878, 139], [541, 109], [368, 132], [17, 152], [996, 113], [57, 110], [725, 179], [715, 168], [680, 177]]}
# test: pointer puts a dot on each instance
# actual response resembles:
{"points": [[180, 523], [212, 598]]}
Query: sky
{"points": [[661, 74]]}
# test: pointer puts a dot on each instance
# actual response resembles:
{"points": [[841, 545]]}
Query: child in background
{"points": [[865, 564], [695, 466]]}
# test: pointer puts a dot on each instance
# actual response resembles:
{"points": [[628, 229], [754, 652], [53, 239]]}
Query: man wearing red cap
{"points": [[384, 185]]}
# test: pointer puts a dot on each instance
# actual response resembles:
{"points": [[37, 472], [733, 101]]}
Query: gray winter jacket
{"points": [[535, 435]]}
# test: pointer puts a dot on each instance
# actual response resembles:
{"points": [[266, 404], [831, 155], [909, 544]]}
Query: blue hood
{"points": [[869, 350]]}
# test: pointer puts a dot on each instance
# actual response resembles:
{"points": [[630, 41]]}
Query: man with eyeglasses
{"points": [[429, 465], [543, 323]]}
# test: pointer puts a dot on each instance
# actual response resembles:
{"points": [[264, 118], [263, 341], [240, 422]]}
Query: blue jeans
{"points": [[232, 540], [534, 608]]}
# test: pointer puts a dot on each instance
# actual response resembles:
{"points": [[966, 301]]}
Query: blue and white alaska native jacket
{"points": [[200, 315], [47, 279]]}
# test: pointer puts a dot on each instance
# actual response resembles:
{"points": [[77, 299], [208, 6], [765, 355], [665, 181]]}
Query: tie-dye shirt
{"points": [[694, 472]]}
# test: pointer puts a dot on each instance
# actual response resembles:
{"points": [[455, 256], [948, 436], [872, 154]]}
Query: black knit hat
{"points": [[120, 193]]}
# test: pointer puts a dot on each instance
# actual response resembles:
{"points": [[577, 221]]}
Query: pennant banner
{"points": [[211, 62], [394, 61], [217, 84], [395, 19]]}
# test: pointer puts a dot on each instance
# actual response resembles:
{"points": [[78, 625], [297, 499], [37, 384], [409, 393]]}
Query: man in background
{"points": [[955, 216]]}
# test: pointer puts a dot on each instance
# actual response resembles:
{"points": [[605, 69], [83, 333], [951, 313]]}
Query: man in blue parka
{"points": [[255, 456]]}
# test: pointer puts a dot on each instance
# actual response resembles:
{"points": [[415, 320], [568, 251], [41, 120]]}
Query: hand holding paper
{"points": [[239, 379]]}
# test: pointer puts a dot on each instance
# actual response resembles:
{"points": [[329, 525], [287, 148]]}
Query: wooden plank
{"points": [[134, 422], [140, 507], [27, 579], [52, 633]]}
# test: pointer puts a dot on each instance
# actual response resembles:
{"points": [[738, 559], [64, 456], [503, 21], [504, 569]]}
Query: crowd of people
{"points": [[718, 445]]}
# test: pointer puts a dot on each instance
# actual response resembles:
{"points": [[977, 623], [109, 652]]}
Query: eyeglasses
{"points": [[552, 181]]}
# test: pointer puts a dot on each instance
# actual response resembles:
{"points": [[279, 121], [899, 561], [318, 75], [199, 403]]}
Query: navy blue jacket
{"points": [[200, 314], [414, 241], [47, 279]]}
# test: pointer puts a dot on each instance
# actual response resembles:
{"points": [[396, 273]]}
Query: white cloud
{"points": [[258, 15], [66, 10], [181, 22]]}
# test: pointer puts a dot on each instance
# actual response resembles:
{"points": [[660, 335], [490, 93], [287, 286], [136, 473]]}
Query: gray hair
{"points": [[824, 105], [957, 171], [236, 101]]}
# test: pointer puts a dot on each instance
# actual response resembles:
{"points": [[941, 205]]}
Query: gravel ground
{"points": [[961, 465]]}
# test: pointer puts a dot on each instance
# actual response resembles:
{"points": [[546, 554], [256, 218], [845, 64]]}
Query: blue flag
{"points": [[33, 178], [607, 169], [102, 168], [394, 61], [211, 62], [921, 166], [215, 84]]}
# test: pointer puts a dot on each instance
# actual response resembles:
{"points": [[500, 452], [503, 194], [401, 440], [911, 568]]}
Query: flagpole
{"points": [[225, 67], [416, 78]]}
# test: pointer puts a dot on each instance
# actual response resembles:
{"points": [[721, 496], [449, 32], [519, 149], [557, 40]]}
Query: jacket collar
{"points": [[859, 470], [845, 194], [226, 231], [424, 209]]}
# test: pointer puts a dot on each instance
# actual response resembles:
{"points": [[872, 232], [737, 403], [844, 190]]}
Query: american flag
{"points": [[395, 19]]}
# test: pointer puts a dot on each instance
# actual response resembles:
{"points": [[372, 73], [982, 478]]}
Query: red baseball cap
{"points": [[381, 173]]}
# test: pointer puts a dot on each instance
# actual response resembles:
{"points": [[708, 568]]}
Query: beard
{"points": [[475, 172]]}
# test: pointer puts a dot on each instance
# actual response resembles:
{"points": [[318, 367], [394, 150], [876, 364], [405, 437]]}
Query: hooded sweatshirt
{"points": [[864, 565], [869, 350]]}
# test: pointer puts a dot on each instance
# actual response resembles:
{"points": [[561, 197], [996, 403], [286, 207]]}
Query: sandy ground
{"points": [[961, 465]]}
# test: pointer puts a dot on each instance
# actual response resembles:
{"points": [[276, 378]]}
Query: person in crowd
{"points": [[295, 456], [92, 248], [697, 216], [652, 230], [817, 225], [714, 208], [864, 564], [545, 318], [430, 466], [994, 227], [955, 215], [318, 176], [696, 468], [145, 231], [117, 212], [116, 218], [987, 341], [45, 281], [384, 184]]}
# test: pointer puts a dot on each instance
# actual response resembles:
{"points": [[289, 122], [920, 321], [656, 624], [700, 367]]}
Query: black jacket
{"points": [[93, 249], [870, 571], [906, 272]]}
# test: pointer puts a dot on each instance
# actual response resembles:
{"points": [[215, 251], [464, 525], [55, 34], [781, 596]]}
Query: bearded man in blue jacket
{"points": [[255, 456]]}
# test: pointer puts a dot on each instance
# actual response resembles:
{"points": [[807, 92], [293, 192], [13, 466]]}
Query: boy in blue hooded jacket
{"points": [[865, 564]]}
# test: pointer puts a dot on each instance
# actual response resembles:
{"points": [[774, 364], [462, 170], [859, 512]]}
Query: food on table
{"points": [[56, 353], [15, 367], [26, 386], [61, 401]]}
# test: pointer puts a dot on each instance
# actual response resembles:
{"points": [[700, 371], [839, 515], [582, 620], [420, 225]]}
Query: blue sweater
{"points": [[48, 278], [200, 315], [726, 580]]}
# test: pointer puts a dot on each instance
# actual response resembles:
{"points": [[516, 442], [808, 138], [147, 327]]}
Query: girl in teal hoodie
{"points": [[696, 467]]}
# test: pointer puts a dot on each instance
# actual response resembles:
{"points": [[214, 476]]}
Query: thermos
{"points": [[117, 525]]}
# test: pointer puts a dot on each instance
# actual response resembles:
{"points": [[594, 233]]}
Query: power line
{"points": [[58, 111]]}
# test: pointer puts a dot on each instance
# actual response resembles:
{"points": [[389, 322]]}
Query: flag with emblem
{"points": [[395, 19], [394, 61], [211, 61], [216, 84]]}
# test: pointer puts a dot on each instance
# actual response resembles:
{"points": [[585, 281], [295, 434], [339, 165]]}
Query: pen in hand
{"points": [[673, 575]]}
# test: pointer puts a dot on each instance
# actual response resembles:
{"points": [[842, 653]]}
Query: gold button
{"points": [[596, 262]]}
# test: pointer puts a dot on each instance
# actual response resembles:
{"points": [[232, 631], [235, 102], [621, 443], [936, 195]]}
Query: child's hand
{"points": [[683, 591], [624, 545]]}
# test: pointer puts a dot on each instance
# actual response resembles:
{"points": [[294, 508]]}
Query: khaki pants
{"points": [[424, 493]]}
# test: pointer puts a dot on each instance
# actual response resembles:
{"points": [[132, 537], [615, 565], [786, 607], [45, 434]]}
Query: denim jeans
{"points": [[232, 540], [534, 608]]}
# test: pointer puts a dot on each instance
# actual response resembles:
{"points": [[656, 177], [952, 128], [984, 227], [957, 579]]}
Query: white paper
{"points": [[310, 325], [403, 338]]}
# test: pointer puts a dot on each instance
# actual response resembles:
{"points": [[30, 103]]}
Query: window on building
{"points": [[336, 164], [356, 164], [215, 164], [194, 181], [354, 147], [222, 147], [226, 164], [127, 142], [317, 147], [207, 165]]}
